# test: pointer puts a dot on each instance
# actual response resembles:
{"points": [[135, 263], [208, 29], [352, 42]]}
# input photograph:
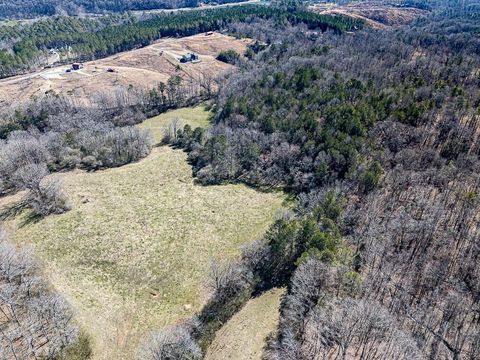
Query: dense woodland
{"points": [[24, 47], [377, 135], [374, 133], [21, 9]]}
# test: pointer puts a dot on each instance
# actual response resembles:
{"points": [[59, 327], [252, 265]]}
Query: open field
{"points": [[141, 68], [196, 117], [134, 252], [243, 336], [376, 15]]}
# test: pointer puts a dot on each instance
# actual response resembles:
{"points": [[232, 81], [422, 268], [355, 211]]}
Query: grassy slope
{"points": [[196, 117], [133, 253], [243, 336]]}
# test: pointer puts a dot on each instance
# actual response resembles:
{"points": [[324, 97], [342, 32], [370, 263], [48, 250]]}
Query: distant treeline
{"points": [[19, 9], [25, 47], [376, 136], [449, 6]]}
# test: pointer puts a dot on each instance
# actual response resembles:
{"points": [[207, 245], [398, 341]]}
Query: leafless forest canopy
{"points": [[374, 133], [377, 134], [18, 9]]}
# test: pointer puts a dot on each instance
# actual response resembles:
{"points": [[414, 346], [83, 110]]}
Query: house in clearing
{"points": [[190, 57], [76, 66]]}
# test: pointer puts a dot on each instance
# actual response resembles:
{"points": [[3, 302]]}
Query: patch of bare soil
{"points": [[141, 68], [376, 16]]}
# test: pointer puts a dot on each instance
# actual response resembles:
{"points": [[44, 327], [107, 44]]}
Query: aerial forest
{"points": [[25, 47], [377, 138], [20, 9], [372, 133]]}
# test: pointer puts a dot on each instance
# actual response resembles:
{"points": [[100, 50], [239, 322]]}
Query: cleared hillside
{"points": [[142, 68], [134, 252], [376, 15]]}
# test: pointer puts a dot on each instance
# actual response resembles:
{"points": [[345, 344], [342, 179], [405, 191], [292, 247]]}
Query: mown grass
{"points": [[134, 252]]}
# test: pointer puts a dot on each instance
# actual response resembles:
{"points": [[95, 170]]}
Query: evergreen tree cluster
{"points": [[88, 39]]}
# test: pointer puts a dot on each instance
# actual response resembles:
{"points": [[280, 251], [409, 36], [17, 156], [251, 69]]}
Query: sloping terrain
{"points": [[376, 135], [134, 252], [142, 68], [243, 336], [377, 16]]}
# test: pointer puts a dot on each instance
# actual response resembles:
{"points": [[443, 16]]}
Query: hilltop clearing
{"points": [[142, 68], [376, 15]]}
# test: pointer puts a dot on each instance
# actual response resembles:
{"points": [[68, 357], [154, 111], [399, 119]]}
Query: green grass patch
{"points": [[244, 336], [195, 117], [134, 252]]}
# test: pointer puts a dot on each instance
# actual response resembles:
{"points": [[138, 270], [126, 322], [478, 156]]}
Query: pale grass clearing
{"points": [[243, 336], [134, 252], [195, 117]]}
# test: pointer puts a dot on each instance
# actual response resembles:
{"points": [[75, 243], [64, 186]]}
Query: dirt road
{"points": [[140, 68]]}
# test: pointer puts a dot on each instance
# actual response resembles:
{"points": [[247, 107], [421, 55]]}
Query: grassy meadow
{"points": [[243, 336], [134, 252]]}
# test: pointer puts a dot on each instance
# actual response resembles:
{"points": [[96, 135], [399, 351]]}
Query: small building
{"points": [[76, 66], [190, 57], [258, 46]]}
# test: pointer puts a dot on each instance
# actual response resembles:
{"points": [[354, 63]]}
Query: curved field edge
{"points": [[134, 252], [244, 336]]}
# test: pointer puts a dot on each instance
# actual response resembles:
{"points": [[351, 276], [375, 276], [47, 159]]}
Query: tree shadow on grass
{"points": [[288, 198], [15, 209], [260, 188]]}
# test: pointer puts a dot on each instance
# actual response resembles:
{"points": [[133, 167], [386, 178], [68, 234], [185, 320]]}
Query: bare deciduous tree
{"points": [[175, 343], [34, 322]]}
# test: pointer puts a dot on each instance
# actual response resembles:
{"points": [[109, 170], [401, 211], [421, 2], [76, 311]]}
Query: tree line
{"points": [[35, 322], [376, 136], [25, 46], [21, 9]]}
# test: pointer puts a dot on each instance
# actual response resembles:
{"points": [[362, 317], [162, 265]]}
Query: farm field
{"points": [[134, 252], [141, 68]]}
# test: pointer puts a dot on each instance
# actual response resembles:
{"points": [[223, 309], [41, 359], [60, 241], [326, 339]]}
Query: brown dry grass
{"points": [[141, 68], [134, 252], [376, 16]]}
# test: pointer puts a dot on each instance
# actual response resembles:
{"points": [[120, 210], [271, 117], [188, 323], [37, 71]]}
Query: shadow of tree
{"points": [[13, 210]]}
